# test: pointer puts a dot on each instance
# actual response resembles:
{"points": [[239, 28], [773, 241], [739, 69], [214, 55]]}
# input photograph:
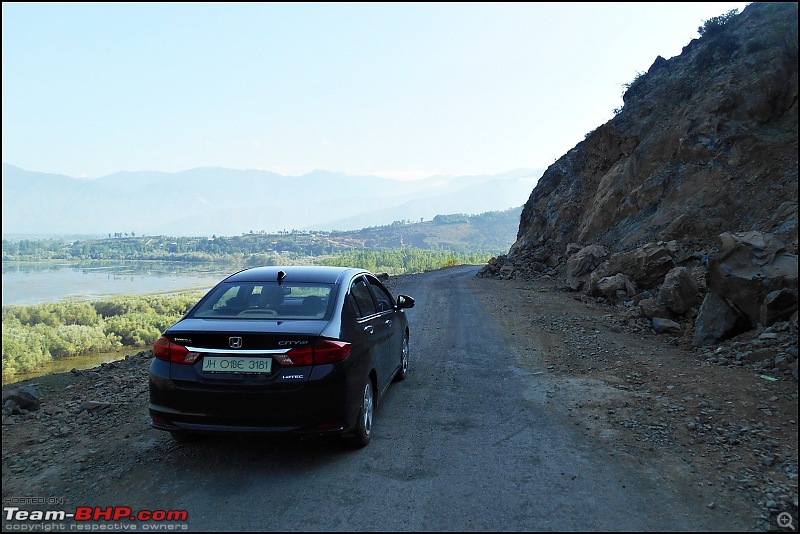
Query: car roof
{"points": [[295, 273]]}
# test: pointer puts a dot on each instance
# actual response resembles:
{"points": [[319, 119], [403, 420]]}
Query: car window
{"points": [[362, 297], [383, 300], [266, 300]]}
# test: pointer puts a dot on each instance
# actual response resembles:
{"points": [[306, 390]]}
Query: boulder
{"points": [[25, 398], [679, 291], [778, 306], [653, 307], [646, 266], [581, 264], [748, 267], [662, 325], [715, 321], [507, 271], [615, 288]]}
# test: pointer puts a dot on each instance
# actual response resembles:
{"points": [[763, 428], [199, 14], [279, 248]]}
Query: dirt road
{"points": [[523, 411]]}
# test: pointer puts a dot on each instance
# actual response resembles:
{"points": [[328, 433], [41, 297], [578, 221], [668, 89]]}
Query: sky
{"points": [[398, 90]]}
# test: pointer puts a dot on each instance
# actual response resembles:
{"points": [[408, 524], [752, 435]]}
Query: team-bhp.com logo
{"points": [[86, 516]]}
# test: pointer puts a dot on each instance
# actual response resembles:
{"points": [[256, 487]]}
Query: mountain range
{"points": [[222, 201]]}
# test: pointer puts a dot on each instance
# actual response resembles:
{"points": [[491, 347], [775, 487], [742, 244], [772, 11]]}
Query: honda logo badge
{"points": [[235, 342]]}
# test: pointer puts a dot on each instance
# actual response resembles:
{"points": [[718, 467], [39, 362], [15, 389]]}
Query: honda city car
{"points": [[296, 349]]}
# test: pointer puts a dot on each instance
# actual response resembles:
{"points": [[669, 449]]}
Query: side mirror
{"points": [[404, 301]]}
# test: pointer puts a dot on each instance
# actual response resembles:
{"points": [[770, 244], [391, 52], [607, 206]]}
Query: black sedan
{"points": [[307, 350]]}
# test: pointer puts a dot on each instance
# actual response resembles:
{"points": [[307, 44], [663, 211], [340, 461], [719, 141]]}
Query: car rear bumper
{"points": [[328, 402], [174, 426]]}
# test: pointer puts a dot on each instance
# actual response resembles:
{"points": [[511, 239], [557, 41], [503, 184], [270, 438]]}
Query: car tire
{"points": [[402, 373], [363, 431]]}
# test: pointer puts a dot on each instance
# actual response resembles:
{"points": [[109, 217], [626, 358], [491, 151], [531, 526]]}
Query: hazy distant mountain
{"points": [[211, 200], [472, 200]]}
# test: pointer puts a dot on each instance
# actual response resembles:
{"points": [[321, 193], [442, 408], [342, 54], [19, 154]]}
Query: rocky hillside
{"points": [[684, 205]]}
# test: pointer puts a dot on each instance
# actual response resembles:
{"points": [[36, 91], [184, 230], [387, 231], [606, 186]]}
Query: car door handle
{"points": [[368, 329], [388, 322]]}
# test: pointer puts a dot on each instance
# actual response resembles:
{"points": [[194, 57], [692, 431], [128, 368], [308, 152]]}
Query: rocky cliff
{"points": [[687, 198]]}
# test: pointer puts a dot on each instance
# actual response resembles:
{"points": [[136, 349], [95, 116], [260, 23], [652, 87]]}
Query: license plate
{"points": [[236, 364]]}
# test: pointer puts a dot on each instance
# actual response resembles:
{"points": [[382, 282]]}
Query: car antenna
{"points": [[281, 276]]}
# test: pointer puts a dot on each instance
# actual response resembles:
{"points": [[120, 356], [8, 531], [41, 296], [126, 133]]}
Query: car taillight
{"points": [[164, 349], [324, 351], [327, 351], [295, 357]]}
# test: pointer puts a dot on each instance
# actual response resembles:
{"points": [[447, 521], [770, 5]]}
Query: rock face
{"points": [[705, 143], [690, 189]]}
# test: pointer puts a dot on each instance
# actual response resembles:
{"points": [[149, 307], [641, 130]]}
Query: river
{"points": [[28, 283]]}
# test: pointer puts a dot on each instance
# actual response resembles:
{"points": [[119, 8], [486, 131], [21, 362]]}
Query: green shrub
{"points": [[33, 315], [404, 260], [121, 306], [23, 350], [175, 305], [72, 340], [715, 24], [34, 335], [77, 313], [138, 328]]}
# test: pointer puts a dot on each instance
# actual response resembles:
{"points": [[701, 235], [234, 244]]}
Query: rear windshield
{"points": [[267, 300]]}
